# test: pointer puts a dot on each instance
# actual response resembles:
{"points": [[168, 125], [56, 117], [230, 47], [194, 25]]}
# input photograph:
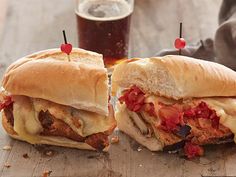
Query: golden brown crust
{"points": [[7, 126], [176, 77], [84, 56], [81, 83]]}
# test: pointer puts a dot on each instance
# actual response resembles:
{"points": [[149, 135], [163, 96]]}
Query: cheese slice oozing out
{"points": [[28, 127], [26, 124], [90, 122]]}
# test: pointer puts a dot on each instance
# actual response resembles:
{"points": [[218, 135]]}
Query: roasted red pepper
{"points": [[203, 111], [171, 118], [193, 150], [7, 101], [133, 98]]}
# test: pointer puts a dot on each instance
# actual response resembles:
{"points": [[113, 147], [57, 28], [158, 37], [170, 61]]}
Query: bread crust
{"points": [[176, 77], [57, 141], [81, 83]]}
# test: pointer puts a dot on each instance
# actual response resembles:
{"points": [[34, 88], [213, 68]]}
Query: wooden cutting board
{"points": [[35, 25]]}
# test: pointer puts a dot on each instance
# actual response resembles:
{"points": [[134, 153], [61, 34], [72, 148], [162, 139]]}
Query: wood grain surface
{"points": [[35, 25]]}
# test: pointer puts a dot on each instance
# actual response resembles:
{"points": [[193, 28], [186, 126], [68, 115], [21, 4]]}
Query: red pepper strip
{"points": [[203, 111], [193, 150], [170, 118], [133, 98]]}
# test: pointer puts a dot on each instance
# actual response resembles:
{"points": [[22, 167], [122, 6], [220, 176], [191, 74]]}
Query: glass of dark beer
{"points": [[104, 26]]}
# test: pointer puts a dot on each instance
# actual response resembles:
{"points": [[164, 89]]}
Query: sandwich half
{"points": [[175, 102], [46, 99]]}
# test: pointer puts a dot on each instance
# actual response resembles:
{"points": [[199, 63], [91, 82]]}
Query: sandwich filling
{"points": [[177, 124], [33, 119]]}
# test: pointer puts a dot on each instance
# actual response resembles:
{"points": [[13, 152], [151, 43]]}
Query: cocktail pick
{"points": [[66, 48], [180, 42]]}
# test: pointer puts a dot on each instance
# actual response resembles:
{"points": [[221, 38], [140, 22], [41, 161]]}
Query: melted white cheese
{"points": [[28, 127], [26, 123], [155, 99], [90, 122], [94, 123]]}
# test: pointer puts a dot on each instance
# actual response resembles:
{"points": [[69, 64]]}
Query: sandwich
{"points": [[46, 99], [175, 103]]}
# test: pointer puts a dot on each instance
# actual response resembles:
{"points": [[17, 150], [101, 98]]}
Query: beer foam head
{"points": [[103, 10]]}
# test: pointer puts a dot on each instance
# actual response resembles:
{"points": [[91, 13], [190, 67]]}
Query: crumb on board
{"points": [[26, 156], [115, 139], [140, 165], [7, 148], [47, 173], [49, 153], [7, 165], [139, 149]]}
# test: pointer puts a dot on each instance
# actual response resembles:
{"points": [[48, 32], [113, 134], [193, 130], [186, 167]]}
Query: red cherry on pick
{"points": [[66, 48], [180, 43]]}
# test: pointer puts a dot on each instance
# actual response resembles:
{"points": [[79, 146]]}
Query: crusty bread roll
{"points": [[164, 76], [57, 141], [80, 83]]}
